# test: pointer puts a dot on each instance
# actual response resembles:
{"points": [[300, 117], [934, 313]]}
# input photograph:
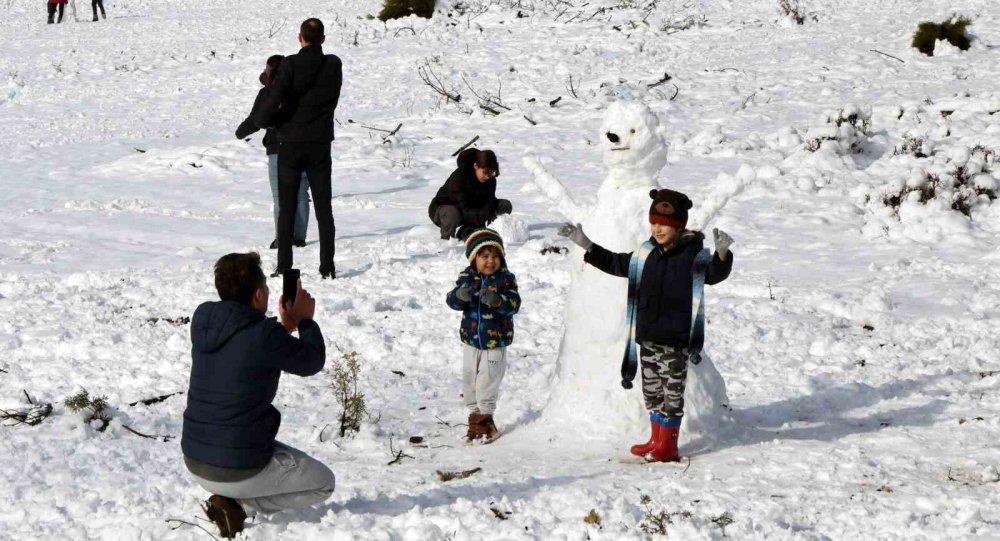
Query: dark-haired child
{"points": [[666, 278], [486, 293]]}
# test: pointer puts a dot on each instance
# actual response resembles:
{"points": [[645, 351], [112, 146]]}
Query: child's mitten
{"points": [[575, 233], [491, 299], [722, 242], [464, 294]]}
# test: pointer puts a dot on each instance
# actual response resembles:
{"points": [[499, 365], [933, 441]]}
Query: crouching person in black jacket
{"points": [[238, 355]]}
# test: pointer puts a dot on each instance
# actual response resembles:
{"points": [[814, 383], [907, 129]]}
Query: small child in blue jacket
{"points": [[664, 275], [486, 293]]}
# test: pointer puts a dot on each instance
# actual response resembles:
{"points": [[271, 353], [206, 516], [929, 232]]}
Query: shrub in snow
{"points": [[918, 147], [345, 389], [967, 182], [96, 408], [846, 131], [952, 30], [793, 11], [397, 9]]}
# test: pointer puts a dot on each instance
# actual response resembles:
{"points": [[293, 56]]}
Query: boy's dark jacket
{"points": [[477, 200], [664, 297], [238, 355], [484, 327]]}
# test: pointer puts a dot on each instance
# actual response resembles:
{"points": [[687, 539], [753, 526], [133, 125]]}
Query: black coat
{"points": [[665, 293], [248, 128], [238, 356], [477, 200], [306, 91]]}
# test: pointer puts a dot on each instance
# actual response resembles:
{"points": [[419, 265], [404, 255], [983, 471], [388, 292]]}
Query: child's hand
{"points": [[722, 242], [464, 294], [575, 233], [491, 299]]}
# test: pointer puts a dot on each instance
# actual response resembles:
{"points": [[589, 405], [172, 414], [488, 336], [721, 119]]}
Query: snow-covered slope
{"points": [[856, 336]]}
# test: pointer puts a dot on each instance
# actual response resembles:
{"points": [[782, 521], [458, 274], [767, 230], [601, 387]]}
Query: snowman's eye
{"points": [[632, 130]]}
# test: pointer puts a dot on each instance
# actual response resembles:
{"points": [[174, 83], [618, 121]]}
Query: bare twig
{"points": [[154, 400], [666, 77], [555, 101], [443, 422], [431, 79], [147, 436], [183, 522], [750, 98], [887, 54], [31, 417], [571, 87], [487, 102], [677, 91], [398, 455], [28, 396], [275, 28], [533, 123], [465, 146], [688, 465]]}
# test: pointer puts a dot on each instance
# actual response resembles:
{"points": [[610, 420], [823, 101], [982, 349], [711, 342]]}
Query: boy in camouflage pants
{"points": [[662, 276]]}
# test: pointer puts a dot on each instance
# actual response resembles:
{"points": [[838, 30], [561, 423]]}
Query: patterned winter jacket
{"points": [[484, 327]]}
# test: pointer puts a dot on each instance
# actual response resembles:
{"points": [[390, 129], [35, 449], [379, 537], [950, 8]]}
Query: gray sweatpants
{"points": [[291, 480], [482, 372]]}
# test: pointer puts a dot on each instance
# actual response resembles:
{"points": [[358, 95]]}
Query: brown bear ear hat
{"points": [[669, 208]]}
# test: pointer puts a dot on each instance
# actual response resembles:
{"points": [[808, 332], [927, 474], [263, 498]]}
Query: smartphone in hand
{"points": [[289, 285]]}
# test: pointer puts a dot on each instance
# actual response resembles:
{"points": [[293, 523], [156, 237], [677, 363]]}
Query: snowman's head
{"points": [[633, 139]]}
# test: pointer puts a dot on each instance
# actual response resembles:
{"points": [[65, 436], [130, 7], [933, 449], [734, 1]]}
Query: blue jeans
{"points": [[301, 209]]}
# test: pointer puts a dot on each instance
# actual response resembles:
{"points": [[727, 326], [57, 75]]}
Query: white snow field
{"points": [[857, 334]]}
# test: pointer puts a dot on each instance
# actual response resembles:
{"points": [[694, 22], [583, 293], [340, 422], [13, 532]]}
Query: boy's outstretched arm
{"points": [[610, 262], [722, 261]]}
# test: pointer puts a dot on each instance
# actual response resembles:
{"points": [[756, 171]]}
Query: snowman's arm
{"points": [[554, 190]]}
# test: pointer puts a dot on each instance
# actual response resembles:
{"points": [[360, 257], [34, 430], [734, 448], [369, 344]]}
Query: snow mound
{"points": [[511, 229]]}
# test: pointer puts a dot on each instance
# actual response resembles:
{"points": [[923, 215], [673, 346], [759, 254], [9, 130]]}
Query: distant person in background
{"points": [[98, 4], [56, 4], [301, 103], [247, 128], [468, 200]]}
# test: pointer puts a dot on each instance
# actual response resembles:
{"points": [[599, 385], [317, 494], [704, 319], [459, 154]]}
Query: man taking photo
{"points": [[238, 355]]}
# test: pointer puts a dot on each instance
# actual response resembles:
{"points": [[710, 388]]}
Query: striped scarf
{"points": [[697, 337]]}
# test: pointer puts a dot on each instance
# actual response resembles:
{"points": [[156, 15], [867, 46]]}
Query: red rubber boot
{"points": [[642, 449], [666, 445]]}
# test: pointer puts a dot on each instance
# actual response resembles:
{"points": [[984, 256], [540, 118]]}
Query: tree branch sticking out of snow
{"points": [[96, 406], [32, 416], [345, 390], [432, 80], [554, 190], [726, 187]]}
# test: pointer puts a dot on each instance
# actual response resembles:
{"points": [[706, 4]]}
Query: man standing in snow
{"points": [[301, 104], [238, 355]]}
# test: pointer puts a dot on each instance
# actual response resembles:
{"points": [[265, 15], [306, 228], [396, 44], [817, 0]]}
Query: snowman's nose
{"points": [[612, 137]]}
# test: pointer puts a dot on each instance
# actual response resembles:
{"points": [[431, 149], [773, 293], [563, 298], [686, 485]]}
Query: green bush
{"points": [[952, 30], [396, 9]]}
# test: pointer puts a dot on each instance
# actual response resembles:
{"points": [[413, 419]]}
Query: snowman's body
{"points": [[589, 390]]}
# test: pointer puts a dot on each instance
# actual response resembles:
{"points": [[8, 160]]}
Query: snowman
{"points": [[589, 393]]}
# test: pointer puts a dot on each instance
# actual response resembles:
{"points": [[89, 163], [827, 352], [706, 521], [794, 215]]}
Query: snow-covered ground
{"points": [[858, 341]]}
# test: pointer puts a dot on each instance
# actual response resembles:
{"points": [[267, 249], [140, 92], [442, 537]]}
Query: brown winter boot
{"points": [[488, 430], [227, 514], [473, 432]]}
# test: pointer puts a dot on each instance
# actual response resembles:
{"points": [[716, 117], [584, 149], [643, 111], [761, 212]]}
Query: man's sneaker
{"points": [[298, 243], [274, 244], [328, 274], [277, 273], [227, 514]]}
